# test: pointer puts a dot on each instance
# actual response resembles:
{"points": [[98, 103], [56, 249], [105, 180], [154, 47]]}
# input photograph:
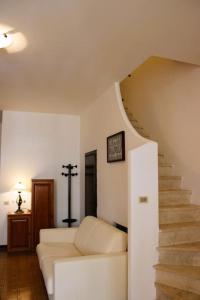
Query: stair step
{"points": [[141, 131], [165, 169], [179, 213], [169, 182], [165, 164], [134, 122], [179, 233], [161, 158], [174, 197], [185, 254], [138, 128], [146, 136], [130, 115], [186, 278], [165, 292]]}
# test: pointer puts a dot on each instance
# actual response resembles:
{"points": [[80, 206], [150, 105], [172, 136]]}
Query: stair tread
{"points": [[139, 127], [133, 120], [168, 177], [167, 190], [179, 207], [193, 247], [175, 190], [190, 271], [163, 165], [179, 226], [177, 294], [170, 190]]}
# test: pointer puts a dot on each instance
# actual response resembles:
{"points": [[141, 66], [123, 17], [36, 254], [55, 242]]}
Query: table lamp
{"points": [[19, 187]]}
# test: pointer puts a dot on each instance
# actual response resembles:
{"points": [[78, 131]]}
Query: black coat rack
{"points": [[69, 167]]}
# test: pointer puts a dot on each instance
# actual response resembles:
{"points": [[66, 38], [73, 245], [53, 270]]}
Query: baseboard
{"points": [[3, 247], [121, 227]]}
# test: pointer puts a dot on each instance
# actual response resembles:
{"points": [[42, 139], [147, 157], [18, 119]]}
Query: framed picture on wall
{"points": [[116, 147]]}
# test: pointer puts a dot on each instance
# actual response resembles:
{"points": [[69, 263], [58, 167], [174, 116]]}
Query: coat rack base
{"points": [[68, 221]]}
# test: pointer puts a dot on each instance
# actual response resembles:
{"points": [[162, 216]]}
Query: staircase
{"points": [[178, 270]]}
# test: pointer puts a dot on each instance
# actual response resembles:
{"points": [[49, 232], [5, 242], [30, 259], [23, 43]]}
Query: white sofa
{"points": [[84, 263]]}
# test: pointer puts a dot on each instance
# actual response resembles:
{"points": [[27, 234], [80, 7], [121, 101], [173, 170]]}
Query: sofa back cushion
{"points": [[94, 236]]}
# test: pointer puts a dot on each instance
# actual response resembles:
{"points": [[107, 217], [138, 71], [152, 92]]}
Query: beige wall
{"points": [[100, 120], [164, 96]]}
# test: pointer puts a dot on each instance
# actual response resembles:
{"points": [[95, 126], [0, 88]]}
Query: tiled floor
{"points": [[20, 277]]}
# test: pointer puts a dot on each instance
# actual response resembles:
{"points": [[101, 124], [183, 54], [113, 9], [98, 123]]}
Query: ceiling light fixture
{"points": [[11, 41], [5, 40]]}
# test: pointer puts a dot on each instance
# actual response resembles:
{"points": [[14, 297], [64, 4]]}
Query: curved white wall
{"points": [[120, 184]]}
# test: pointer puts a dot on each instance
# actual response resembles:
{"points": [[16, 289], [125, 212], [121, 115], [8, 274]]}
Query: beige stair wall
{"points": [[169, 92]]}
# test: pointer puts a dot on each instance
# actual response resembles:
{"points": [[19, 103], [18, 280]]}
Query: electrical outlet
{"points": [[6, 203], [143, 199]]}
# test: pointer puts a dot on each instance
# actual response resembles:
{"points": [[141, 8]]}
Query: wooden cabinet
{"points": [[42, 206], [19, 232]]}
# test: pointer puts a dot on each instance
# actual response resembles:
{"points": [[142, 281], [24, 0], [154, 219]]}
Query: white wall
{"points": [[164, 96], [35, 145], [138, 175], [100, 120]]}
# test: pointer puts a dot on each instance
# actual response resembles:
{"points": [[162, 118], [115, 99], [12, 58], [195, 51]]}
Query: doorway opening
{"points": [[91, 183]]}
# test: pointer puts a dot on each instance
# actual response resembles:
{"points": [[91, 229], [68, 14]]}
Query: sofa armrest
{"points": [[99, 277], [58, 235]]}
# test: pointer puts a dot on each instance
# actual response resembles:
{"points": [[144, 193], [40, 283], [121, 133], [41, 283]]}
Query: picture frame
{"points": [[116, 147]]}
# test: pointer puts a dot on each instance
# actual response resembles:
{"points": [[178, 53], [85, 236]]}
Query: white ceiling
{"points": [[77, 48]]}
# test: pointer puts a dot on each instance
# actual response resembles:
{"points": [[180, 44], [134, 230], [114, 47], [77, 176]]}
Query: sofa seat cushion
{"points": [[95, 236], [47, 271], [45, 250]]}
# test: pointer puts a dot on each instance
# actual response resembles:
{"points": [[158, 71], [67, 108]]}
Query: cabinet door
{"points": [[42, 207], [19, 231]]}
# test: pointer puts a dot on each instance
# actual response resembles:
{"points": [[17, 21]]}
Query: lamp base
{"points": [[19, 211]]}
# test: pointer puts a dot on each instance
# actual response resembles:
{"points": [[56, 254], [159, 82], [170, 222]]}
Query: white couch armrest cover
{"points": [[95, 236], [56, 235], [99, 277]]}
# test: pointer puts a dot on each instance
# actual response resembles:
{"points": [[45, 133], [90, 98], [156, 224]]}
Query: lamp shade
{"points": [[19, 186]]}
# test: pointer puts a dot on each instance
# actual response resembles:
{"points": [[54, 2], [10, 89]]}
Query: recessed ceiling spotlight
{"points": [[5, 40]]}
